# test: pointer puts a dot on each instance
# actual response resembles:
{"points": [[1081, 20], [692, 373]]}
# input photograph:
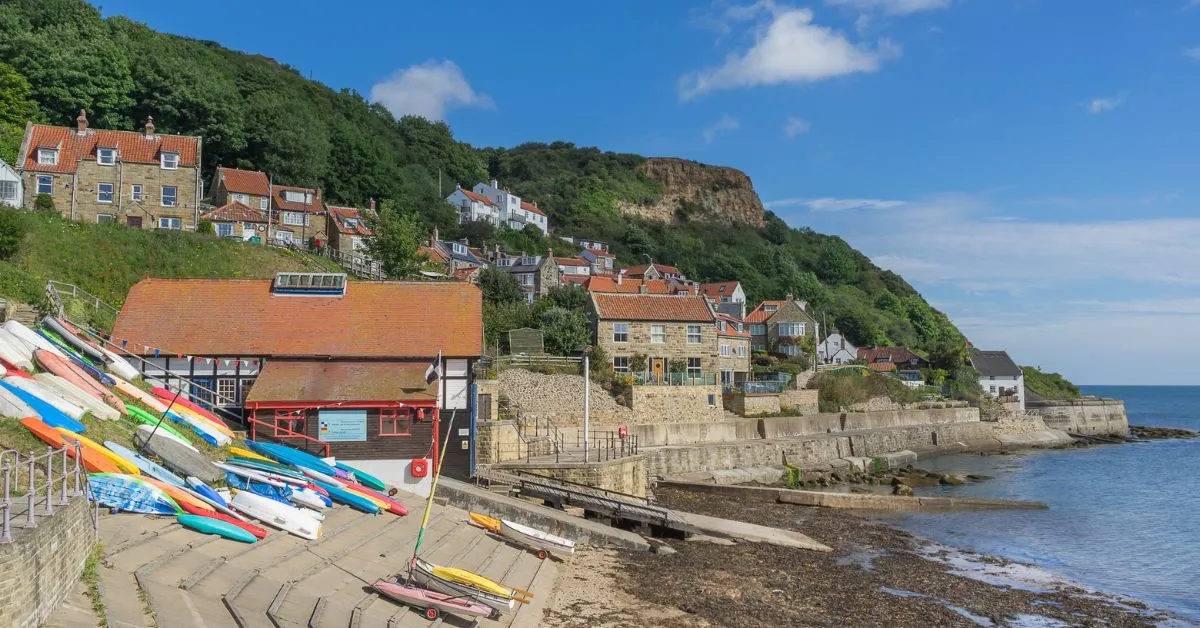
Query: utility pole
{"points": [[587, 398], [270, 206]]}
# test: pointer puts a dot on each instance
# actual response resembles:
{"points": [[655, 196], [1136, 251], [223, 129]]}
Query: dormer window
{"points": [[47, 156], [293, 196], [770, 308], [351, 223], [106, 156], [458, 248], [169, 161], [529, 261]]}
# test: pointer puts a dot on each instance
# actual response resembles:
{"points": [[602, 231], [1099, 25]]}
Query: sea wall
{"points": [[676, 404], [623, 475], [40, 567], [1091, 417], [833, 422]]}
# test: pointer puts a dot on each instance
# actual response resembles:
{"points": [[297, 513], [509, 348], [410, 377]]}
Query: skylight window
{"points": [[310, 284]]}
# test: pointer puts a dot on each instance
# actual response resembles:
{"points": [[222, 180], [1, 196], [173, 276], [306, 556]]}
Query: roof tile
{"points": [[245, 181], [132, 147], [294, 380], [652, 307], [235, 211]]}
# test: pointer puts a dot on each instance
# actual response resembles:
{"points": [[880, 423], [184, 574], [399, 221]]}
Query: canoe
{"points": [[72, 393], [51, 415], [255, 530], [12, 407], [491, 524], [431, 603], [386, 503], [94, 462], [246, 453], [145, 465], [15, 352], [286, 518], [292, 456], [209, 525], [113, 361], [185, 498], [423, 574], [66, 349], [82, 346], [43, 392], [124, 465], [29, 337], [166, 395], [204, 490], [362, 477], [176, 455], [72, 372], [131, 494], [537, 540], [145, 418], [353, 500]]}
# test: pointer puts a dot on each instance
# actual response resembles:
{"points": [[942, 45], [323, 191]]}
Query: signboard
{"points": [[340, 426]]}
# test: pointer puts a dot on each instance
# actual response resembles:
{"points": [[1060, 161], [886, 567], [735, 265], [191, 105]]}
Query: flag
{"points": [[434, 371]]}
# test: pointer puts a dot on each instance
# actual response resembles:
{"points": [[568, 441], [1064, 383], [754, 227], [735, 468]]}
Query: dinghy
{"points": [[431, 603], [424, 574], [541, 542]]}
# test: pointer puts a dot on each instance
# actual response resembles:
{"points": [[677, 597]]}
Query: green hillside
{"points": [[255, 112]]}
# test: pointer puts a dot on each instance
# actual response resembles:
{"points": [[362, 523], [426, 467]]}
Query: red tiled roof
{"points": [[294, 380], [242, 317], [731, 324], [317, 206], [760, 315], [132, 147], [640, 270], [651, 307], [572, 261], [235, 212], [245, 181], [465, 274], [608, 284], [718, 290], [434, 254], [580, 280], [340, 214], [881, 367], [897, 355], [478, 198], [530, 207]]}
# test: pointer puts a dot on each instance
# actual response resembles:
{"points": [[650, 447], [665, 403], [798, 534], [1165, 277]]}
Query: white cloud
{"points": [[1100, 105], [724, 124], [428, 89], [891, 7], [795, 126], [828, 204], [787, 49], [1193, 52]]}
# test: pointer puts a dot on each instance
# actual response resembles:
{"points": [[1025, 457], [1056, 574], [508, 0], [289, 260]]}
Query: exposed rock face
{"points": [[702, 192]]}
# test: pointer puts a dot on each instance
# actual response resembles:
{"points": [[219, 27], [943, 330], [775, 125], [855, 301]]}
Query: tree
{"points": [[16, 108], [775, 230], [569, 297], [837, 264], [12, 232], [499, 287], [396, 241], [565, 332]]}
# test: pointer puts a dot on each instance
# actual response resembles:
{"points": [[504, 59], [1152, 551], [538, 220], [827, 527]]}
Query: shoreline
{"points": [[877, 573]]}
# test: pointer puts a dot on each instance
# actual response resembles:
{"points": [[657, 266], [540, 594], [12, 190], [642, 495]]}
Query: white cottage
{"points": [[11, 190], [835, 349], [514, 212], [472, 207], [999, 375]]}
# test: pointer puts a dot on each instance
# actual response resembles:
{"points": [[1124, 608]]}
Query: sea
{"points": [[1123, 519]]}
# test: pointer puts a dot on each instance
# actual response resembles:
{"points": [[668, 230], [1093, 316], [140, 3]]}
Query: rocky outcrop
{"points": [[559, 398], [699, 192]]}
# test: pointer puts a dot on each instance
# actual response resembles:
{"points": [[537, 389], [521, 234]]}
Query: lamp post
{"points": [[587, 398]]}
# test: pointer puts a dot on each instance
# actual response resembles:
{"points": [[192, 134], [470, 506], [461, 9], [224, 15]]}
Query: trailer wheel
{"points": [[431, 613], [541, 554], [494, 615]]}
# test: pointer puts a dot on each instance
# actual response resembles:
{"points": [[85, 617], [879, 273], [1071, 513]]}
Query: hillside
{"points": [[255, 112]]}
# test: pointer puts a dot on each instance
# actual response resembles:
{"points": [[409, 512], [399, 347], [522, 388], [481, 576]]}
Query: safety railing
{"points": [[675, 379], [603, 445], [278, 431], [60, 480]]}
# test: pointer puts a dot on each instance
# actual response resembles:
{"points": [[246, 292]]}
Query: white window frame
{"points": [[620, 364], [111, 218], [693, 334], [47, 181], [620, 332], [741, 351], [136, 193], [658, 334], [694, 372], [110, 153], [217, 228], [230, 392], [238, 197], [100, 194], [262, 203], [8, 185], [174, 196], [169, 161], [352, 223], [290, 196], [169, 222], [47, 156], [758, 329], [726, 351]]}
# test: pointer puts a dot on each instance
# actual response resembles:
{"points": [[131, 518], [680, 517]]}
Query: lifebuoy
{"points": [[419, 468], [622, 432]]}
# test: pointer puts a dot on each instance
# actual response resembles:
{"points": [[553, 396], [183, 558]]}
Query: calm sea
{"points": [[1123, 519]]}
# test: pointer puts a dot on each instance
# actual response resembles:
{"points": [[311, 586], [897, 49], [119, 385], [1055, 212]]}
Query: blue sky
{"points": [[1030, 165]]}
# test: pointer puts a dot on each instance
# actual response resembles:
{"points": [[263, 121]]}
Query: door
{"points": [[133, 221], [658, 366], [483, 407], [200, 391], [458, 450]]}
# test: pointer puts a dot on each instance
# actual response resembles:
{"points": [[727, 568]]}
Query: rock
{"points": [[952, 480], [861, 491], [665, 550], [836, 477], [903, 490], [978, 478]]}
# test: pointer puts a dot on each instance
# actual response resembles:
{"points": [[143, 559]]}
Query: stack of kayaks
{"points": [[148, 495]]}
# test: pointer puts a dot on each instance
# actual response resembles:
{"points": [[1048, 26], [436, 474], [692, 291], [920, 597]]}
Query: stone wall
{"points": [[832, 422], [75, 196], [624, 475], [676, 346], [559, 398], [676, 404], [1090, 417], [497, 441], [743, 404], [39, 569], [800, 402]]}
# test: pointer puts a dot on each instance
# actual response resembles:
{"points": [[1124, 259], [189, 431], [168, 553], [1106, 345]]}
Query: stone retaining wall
{"points": [[497, 441], [743, 404], [624, 475], [801, 401], [559, 398], [676, 404], [1092, 417], [42, 565]]}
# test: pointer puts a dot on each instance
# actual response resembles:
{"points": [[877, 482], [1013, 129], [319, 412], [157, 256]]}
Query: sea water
{"points": [[1123, 519]]}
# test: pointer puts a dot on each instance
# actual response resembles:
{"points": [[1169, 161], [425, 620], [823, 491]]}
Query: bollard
{"points": [[49, 482], [30, 522]]}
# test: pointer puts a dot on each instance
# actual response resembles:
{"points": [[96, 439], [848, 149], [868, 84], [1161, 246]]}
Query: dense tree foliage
{"points": [[1049, 385], [16, 108]]}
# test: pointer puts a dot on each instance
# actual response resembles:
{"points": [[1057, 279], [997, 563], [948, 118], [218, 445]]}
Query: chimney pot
{"points": [[149, 126], [433, 238], [495, 184], [643, 288], [371, 204], [790, 297], [81, 122], [620, 276]]}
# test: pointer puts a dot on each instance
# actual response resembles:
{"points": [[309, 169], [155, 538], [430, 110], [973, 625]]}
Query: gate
{"points": [[457, 463]]}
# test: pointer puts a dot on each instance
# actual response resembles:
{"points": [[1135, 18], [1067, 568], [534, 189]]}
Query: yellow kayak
{"points": [[246, 453], [491, 524], [122, 464], [473, 579]]}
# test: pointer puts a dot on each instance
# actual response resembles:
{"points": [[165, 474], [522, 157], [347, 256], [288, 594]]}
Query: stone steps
{"points": [[75, 611]]}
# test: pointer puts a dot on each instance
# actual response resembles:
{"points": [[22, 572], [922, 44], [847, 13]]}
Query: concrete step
{"points": [[75, 611], [122, 599]]}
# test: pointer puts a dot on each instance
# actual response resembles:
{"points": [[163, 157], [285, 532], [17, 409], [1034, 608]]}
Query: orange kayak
{"points": [[93, 461], [491, 524], [181, 496], [165, 395], [79, 378]]}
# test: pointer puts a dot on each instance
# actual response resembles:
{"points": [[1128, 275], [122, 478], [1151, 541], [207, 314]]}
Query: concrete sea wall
{"points": [[40, 567], [1091, 417]]}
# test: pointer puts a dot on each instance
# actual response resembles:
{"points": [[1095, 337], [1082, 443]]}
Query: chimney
{"points": [[495, 184], [496, 255], [790, 297], [149, 126], [621, 276], [643, 288], [433, 238], [81, 123], [550, 253], [371, 204]]}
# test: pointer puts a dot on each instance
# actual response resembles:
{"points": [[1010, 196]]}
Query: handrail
{"points": [[287, 433], [48, 460]]}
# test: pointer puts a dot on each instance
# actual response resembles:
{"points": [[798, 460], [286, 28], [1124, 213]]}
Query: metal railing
{"points": [[675, 379], [55, 488], [358, 264], [278, 431], [60, 295], [523, 359], [607, 444]]}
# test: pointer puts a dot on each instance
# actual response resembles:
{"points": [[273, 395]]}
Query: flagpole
{"points": [[432, 374]]}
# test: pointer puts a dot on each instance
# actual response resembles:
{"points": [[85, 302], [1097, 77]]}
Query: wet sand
{"points": [[876, 575]]}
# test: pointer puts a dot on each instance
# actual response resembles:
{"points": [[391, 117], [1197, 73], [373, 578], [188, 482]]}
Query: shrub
{"points": [[12, 232], [205, 227], [44, 203]]}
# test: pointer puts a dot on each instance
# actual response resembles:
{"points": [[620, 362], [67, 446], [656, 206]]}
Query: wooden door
{"points": [[658, 366], [133, 221]]}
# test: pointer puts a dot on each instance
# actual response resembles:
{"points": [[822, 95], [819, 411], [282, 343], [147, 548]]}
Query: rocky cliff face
{"points": [[699, 192]]}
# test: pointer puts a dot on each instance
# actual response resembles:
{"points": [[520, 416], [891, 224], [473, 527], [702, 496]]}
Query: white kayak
{"points": [[149, 429], [536, 539], [296, 494], [13, 407], [77, 396], [277, 514], [308, 498], [250, 474], [118, 365], [31, 338], [41, 391], [15, 351]]}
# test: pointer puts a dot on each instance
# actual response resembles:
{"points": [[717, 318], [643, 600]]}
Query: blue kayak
{"points": [[269, 467], [50, 415], [131, 494], [279, 494], [362, 477], [145, 465], [206, 490], [342, 496], [291, 455], [208, 525]]}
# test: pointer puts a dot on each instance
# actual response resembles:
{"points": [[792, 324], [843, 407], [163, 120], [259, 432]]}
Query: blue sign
{"points": [[340, 426]]}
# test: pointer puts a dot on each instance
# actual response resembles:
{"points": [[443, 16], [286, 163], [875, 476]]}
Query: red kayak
{"points": [[393, 506], [191, 509], [168, 396], [431, 603]]}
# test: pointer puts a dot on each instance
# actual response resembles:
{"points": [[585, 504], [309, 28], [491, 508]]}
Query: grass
{"points": [[91, 579], [1049, 385], [845, 388]]}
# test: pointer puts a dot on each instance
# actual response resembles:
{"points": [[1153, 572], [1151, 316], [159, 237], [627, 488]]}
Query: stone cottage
{"points": [[660, 330]]}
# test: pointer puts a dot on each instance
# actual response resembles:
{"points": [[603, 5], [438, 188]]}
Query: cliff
{"points": [[698, 191]]}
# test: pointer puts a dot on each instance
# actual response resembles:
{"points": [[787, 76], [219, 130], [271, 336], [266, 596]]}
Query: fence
{"points": [[675, 379], [607, 445], [11, 462]]}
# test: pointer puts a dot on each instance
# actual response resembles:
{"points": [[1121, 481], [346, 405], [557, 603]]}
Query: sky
{"points": [[1031, 166]]}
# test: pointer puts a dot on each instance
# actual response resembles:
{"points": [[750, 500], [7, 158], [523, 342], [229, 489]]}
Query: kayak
{"points": [[204, 490], [491, 524], [94, 462], [15, 352], [258, 531], [185, 498], [12, 407], [175, 455], [210, 525], [208, 430], [124, 465], [431, 603], [73, 394], [113, 361], [362, 477], [246, 453], [29, 338], [83, 347], [74, 373], [383, 501], [287, 518], [131, 494], [292, 456], [167, 396], [51, 415], [353, 500], [41, 391], [144, 464], [145, 418]]}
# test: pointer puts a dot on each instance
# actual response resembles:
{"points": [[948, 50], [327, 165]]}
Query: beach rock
{"points": [[952, 480], [902, 490], [978, 478]]}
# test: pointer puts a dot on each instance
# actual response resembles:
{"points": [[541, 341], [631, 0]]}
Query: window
{"points": [[395, 421], [170, 196], [658, 334], [170, 223], [293, 196], [8, 190], [352, 223], [722, 326], [791, 330], [289, 422], [992, 389], [224, 229], [759, 347], [693, 334], [693, 368], [621, 364], [527, 279], [170, 161], [247, 384], [244, 199], [226, 391], [739, 328], [620, 332], [47, 157], [758, 330], [741, 351], [106, 156], [104, 193], [103, 218], [724, 299], [726, 351], [788, 349], [135, 192], [770, 308], [45, 184], [262, 203], [295, 219]]}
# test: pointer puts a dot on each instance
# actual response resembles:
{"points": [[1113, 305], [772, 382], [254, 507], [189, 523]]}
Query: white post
{"points": [[587, 405]]}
